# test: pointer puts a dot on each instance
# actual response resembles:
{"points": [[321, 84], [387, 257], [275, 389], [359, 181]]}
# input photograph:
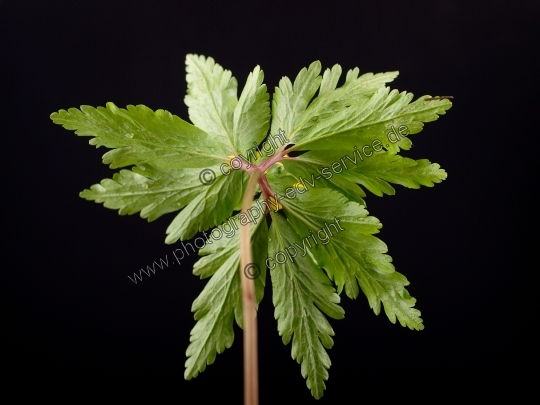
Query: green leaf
{"points": [[301, 292], [321, 238], [252, 114], [220, 302], [290, 106], [350, 254], [211, 206], [374, 171], [332, 100], [211, 97], [309, 176], [154, 192], [367, 120], [291, 100], [214, 107], [143, 136], [147, 189]]}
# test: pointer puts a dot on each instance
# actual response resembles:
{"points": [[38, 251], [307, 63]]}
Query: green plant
{"points": [[324, 150]]}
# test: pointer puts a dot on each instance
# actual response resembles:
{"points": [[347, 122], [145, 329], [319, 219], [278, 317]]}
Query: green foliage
{"points": [[320, 190], [221, 301]]}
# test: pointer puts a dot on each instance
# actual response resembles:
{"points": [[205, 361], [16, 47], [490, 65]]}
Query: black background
{"points": [[72, 318]]}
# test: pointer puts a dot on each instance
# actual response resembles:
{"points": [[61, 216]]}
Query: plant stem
{"points": [[274, 159], [251, 371]]}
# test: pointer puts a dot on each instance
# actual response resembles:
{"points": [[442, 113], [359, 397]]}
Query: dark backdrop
{"points": [[73, 318]]}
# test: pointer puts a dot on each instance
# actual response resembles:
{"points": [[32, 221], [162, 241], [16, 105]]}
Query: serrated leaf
{"points": [[147, 189], [143, 136], [211, 206], [292, 110], [220, 302], [301, 292], [310, 175], [350, 254], [290, 100], [211, 97], [374, 171], [252, 114], [367, 120], [332, 100], [319, 223]]}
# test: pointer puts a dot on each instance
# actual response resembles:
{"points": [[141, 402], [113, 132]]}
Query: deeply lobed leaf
{"points": [[328, 122], [220, 302], [348, 252], [140, 135], [373, 172], [301, 294]]}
